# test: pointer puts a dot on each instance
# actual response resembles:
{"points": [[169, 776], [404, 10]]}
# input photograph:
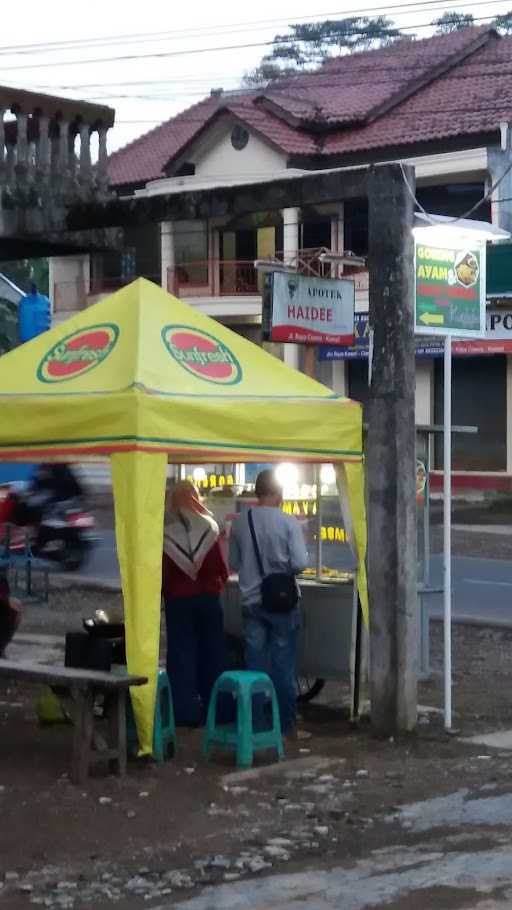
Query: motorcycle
{"points": [[65, 534], [60, 531]]}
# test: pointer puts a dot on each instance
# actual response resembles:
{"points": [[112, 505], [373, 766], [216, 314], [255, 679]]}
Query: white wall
{"points": [[221, 159], [69, 275], [424, 391]]}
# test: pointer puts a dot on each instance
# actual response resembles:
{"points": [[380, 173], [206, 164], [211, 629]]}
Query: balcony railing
{"points": [[206, 278], [222, 277], [214, 278]]}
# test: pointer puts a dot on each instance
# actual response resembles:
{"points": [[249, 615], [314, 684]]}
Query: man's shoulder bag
{"points": [[279, 590]]}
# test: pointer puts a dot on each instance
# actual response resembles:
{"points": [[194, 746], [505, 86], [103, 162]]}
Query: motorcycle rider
{"points": [[53, 483]]}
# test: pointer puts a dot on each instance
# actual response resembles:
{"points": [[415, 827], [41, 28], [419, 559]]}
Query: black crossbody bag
{"points": [[279, 590]]}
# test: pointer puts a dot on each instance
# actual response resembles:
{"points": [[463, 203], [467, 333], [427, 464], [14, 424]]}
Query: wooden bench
{"points": [[81, 687]]}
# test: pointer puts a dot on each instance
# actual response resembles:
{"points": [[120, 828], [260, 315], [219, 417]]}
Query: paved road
{"points": [[482, 587]]}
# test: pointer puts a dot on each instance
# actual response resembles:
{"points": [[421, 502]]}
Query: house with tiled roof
{"points": [[443, 104]]}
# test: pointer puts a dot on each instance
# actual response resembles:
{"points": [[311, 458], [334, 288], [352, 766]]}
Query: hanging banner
{"points": [[312, 310], [497, 340], [450, 290]]}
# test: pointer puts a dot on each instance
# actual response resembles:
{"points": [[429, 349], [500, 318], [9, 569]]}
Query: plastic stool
{"points": [[164, 730], [243, 685]]}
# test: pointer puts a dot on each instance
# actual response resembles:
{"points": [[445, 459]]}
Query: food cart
{"points": [[143, 379], [329, 601]]}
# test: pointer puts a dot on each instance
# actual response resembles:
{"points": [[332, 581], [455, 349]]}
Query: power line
{"points": [[301, 79], [73, 43], [160, 55]]}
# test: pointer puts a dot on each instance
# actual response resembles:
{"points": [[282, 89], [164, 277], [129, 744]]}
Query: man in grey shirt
{"points": [[270, 638]]}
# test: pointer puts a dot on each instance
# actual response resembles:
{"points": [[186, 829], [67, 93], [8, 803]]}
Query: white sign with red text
{"points": [[312, 310]]}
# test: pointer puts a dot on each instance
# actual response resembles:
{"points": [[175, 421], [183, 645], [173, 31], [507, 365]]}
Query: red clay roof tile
{"points": [[335, 111]]}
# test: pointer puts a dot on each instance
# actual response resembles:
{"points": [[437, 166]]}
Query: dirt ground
{"points": [[164, 832], [126, 841]]}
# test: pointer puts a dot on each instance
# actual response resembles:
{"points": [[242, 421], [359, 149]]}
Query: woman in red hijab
{"points": [[193, 576]]}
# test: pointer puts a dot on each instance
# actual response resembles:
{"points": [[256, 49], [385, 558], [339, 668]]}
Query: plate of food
{"points": [[467, 269]]}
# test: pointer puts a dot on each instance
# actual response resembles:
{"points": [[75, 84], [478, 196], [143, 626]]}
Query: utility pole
{"points": [[391, 484]]}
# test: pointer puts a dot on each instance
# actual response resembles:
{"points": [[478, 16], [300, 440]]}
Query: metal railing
{"points": [[238, 277]]}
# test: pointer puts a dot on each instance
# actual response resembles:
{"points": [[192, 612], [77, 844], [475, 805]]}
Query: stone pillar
{"points": [[167, 256], [10, 161], [21, 146], [391, 459], [291, 353], [43, 149], [2, 147], [72, 162], [64, 150], [85, 153], [102, 159], [499, 159], [54, 152]]}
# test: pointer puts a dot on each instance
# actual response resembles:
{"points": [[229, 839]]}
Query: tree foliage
{"points": [[504, 23], [24, 271], [309, 44], [452, 22]]}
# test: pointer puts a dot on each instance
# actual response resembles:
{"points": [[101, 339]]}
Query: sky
{"points": [[59, 47]]}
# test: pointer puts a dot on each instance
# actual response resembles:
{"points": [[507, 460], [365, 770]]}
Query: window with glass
{"points": [[191, 252]]}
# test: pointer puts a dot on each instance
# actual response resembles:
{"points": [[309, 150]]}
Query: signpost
{"points": [[306, 310], [449, 301], [450, 289]]}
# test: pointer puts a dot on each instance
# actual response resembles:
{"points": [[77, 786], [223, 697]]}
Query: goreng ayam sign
{"points": [[450, 290], [312, 310]]}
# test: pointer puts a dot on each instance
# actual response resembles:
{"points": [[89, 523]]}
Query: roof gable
{"points": [[437, 89], [357, 88]]}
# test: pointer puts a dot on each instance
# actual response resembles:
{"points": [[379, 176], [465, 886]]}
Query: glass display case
{"points": [[309, 493]]}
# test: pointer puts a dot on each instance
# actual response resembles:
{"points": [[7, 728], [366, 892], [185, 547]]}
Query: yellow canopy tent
{"points": [[144, 379]]}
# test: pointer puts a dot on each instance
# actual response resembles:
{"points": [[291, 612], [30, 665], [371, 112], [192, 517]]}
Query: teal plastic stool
{"points": [[243, 685], [164, 731]]}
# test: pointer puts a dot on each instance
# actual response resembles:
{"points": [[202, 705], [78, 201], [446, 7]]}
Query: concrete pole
{"points": [[291, 354], [391, 485]]}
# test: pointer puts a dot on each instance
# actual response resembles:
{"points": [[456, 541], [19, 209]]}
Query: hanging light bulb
{"points": [[327, 475], [287, 475]]}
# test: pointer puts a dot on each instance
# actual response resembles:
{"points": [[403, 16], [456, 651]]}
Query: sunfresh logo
{"points": [[78, 353], [201, 354]]}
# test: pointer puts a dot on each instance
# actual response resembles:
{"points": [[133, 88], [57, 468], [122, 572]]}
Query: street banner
{"points": [[497, 340], [312, 310], [450, 290]]}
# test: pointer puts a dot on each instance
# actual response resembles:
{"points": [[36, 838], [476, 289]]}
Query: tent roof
{"points": [[142, 370]]}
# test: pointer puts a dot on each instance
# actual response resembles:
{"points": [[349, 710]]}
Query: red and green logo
{"points": [[202, 354], [78, 353]]}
